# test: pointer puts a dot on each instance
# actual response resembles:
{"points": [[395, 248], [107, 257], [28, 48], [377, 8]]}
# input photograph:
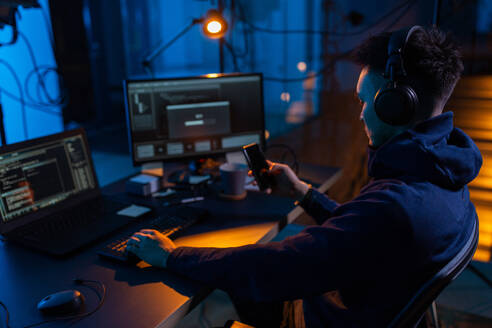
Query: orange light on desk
{"points": [[214, 24]]}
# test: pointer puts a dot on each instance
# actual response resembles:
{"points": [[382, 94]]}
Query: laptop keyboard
{"points": [[168, 224], [72, 219]]}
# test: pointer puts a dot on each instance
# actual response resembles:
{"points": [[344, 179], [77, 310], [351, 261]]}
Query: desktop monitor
{"points": [[195, 117]]}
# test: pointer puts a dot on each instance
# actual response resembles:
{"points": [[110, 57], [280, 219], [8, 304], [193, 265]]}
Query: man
{"points": [[366, 257]]}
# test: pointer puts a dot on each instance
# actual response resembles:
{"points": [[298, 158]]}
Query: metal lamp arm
{"points": [[162, 47]]}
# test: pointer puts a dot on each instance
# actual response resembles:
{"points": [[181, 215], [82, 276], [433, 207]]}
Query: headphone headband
{"points": [[396, 47], [396, 102]]}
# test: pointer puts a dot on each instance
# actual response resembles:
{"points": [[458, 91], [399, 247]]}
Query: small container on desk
{"points": [[143, 184]]}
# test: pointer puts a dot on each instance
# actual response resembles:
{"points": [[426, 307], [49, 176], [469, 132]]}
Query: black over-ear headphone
{"points": [[396, 103]]}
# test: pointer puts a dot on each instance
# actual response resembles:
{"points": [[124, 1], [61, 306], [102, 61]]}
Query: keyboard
{"points": [[169, 224], [68, 230], [70, 220]]}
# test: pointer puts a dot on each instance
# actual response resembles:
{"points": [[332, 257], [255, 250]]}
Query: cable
{"points": [[82, 282], [324, 69], [49, 29], [370, 26], [21, 95], [342, 55], [56, 101], [11, 20], [245, 38], [233, 54], [61, 83], [397, 18], [34, 63], [42, 71], [32, 106], [295, 165], [7, 314], [20, 99], [33, 103]]}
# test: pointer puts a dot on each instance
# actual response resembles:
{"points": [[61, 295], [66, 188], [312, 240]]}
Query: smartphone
{"points": [[258, 165]]}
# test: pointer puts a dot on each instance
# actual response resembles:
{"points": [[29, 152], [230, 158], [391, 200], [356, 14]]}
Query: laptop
{"points": [[50, 199]]}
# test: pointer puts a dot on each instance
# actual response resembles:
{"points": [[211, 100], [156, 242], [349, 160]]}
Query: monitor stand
{"points": [[172, 169], [153, 168]]}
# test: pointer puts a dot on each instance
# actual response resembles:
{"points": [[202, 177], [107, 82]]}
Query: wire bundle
{"points": [[36, 79], [249, 27]]}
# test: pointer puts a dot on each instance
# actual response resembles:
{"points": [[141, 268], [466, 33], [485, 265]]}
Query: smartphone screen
{"points": [[257, 164]]}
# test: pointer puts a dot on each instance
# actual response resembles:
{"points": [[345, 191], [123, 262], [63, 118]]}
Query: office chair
{"points": [[423, 299]]}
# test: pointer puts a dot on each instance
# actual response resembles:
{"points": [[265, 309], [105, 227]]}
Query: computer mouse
{"points": [[61, 303]]}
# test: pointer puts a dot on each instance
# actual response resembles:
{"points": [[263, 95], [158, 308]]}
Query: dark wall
{"points": [[93, 57], [89, 51], [72, 55]]}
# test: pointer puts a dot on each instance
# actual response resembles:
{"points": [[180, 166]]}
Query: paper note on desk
{"points": [[144, 179], [167, 192], [133, 211]]}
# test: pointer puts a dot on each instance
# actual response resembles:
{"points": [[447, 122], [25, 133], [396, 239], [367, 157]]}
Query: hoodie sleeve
{"points": [[318, 205], [319, 259]]}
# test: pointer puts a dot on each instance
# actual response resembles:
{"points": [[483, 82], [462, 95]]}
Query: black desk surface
{"points": [[142, 296]]}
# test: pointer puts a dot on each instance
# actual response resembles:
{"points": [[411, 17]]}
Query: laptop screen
{"points": [[42, 175]]}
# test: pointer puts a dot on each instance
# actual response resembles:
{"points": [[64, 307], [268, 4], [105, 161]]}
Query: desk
{"points": [[143, 296]]}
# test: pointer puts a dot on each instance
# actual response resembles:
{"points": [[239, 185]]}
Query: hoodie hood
{"points": [[433, 150]]}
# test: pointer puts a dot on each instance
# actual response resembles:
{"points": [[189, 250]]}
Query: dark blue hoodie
{"points": [[367, 256]]}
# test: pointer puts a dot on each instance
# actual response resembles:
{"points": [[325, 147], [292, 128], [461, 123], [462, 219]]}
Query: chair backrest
{"points": [[411, 314]]}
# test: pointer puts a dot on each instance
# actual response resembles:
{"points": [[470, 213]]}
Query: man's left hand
{"points": [[151, 246]]}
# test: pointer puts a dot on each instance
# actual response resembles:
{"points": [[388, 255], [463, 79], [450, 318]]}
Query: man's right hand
{"points": [[151, 246], [286, 183]]}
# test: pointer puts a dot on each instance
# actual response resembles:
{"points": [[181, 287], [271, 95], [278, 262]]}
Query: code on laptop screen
{"points": [[43, 175]]}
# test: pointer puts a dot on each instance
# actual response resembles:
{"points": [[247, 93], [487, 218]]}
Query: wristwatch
{"points": [[306, 199]]}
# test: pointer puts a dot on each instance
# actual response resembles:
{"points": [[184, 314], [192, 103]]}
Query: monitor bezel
{"points": [[6, 227], [194, 156]]}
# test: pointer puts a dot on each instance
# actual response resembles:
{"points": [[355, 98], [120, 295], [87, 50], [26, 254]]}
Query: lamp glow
{"points": [[214, 27], [214, 24]]}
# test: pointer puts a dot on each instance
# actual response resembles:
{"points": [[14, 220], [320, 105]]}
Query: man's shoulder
{"points": [[415, 202], [379, 200], [392, 189], [398, 200]]}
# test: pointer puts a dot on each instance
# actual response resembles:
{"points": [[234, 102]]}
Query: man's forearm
{"points": [[261, 272], [300, 190], [318, 205]]}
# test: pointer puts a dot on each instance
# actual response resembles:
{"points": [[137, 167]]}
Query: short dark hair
{"points": [[431, 59]]}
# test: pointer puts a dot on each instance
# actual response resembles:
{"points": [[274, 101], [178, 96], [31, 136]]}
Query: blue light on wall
{"points": [[39, 120], [484, 21]]}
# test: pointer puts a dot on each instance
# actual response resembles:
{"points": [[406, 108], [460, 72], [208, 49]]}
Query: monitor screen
{"points": [[173, 119], [43, 175]]}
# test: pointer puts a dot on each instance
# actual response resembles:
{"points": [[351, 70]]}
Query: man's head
{"points": [[433, 66]]}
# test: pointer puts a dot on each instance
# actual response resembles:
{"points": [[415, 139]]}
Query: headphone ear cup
{"points": [[396, 105]]}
